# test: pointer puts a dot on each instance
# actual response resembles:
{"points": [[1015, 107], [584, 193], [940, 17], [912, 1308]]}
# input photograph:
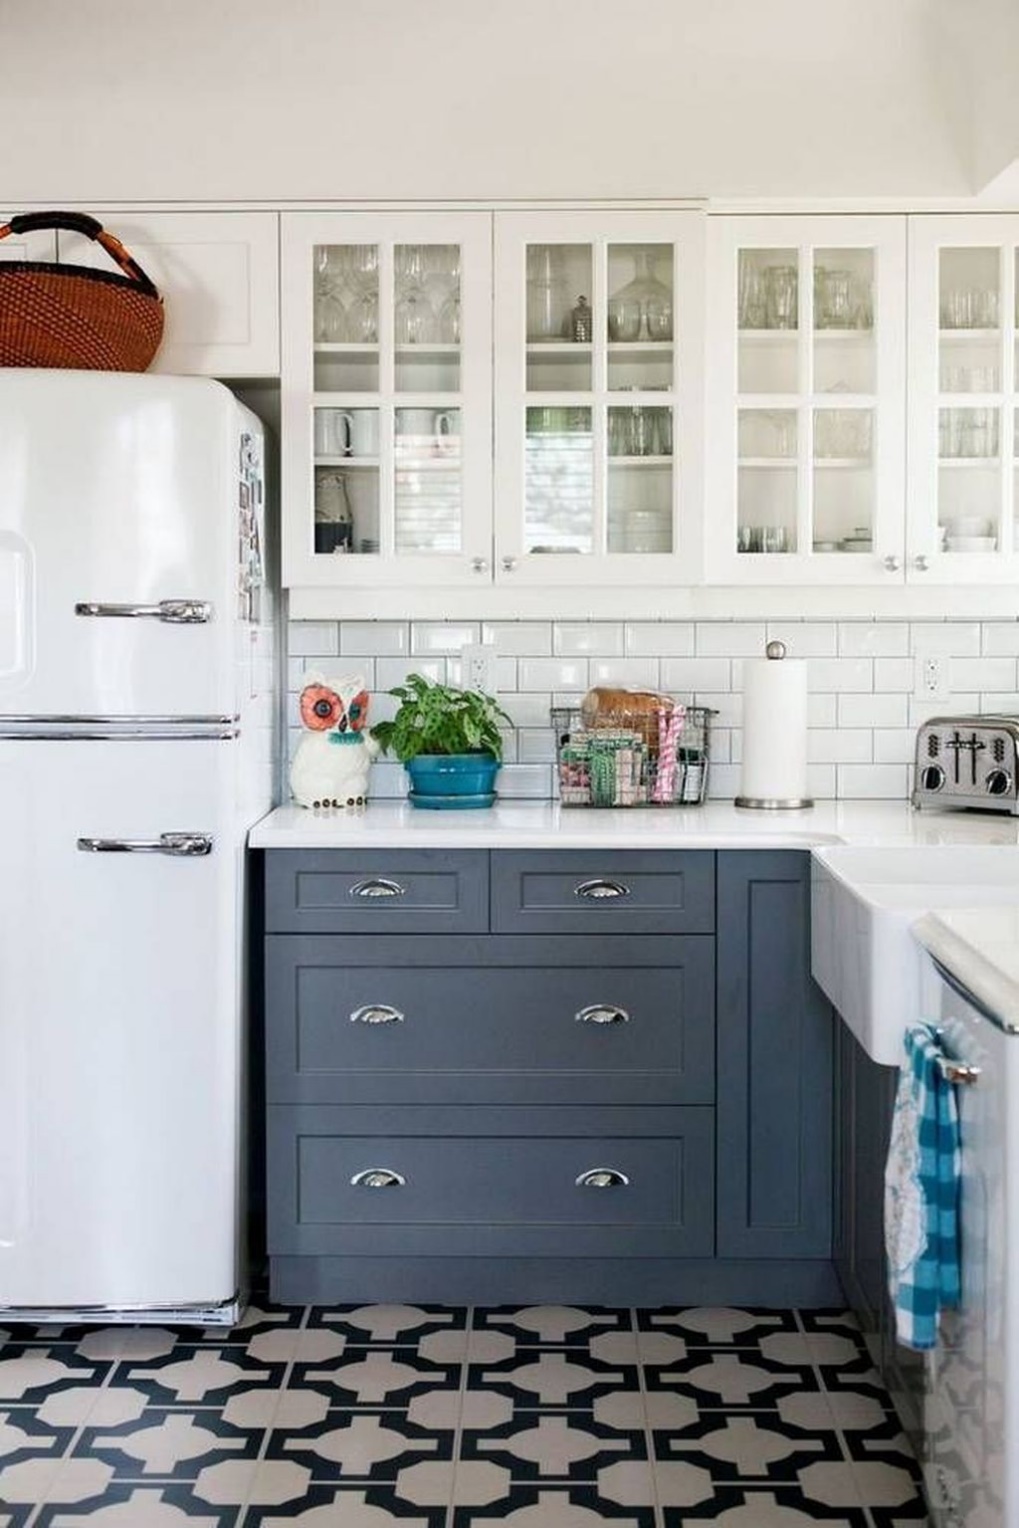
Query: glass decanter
{"points": [[641, 310]]}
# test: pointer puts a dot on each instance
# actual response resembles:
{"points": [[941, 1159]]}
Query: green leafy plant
{"points": [[439, 718]]}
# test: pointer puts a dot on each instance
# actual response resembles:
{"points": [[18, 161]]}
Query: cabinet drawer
{"points": [[513, 1184], [506, 1029], [386, 891], [656, 892]]}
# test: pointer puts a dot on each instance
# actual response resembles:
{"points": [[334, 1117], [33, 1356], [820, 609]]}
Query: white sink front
{"points": [[863, 902]]}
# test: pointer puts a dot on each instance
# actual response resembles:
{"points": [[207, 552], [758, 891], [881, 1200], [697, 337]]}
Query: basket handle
{"points": [[80, 222]]}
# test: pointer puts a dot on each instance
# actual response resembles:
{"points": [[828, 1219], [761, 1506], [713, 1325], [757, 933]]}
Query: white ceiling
{"points": [[110, 100]]}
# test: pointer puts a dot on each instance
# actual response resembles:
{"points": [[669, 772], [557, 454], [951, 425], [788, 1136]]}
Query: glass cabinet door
{"points": [[964, 330], [598, 342], [807, 389], [387, 399]]}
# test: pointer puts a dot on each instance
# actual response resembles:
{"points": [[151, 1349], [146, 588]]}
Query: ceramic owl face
{"points": [[334, 705], [334, 757]]}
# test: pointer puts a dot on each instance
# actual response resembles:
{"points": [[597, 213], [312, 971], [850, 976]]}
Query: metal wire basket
{"points": [[633, 758]]}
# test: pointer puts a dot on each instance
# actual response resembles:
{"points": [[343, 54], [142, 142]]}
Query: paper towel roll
{"points": [[774, 772]]}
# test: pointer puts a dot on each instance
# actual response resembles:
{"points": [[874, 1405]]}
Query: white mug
{"points": [[330, 432], [361, 432]]}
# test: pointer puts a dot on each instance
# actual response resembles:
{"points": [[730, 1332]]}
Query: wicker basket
{"points": [[70, 316], [621, 764]]}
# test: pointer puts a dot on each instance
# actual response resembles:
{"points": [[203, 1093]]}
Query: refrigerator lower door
{"points": [[121, 884]]}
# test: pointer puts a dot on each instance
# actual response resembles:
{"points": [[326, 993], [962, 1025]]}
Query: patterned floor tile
{"points": [[537, 1377], [538, 1445], [561, 1326], [391, 1325], [542, 1506], [719, 1378], [377, 1376], [28, 1374], [191, 1375], [717, 1326], [747, 1446], [323, 1506], [168, 1444], [24, 1435], [132, 1506], [777, 1507], [373, 1445]]}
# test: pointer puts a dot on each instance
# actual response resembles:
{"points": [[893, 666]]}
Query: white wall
{"points": [[108, 100]]}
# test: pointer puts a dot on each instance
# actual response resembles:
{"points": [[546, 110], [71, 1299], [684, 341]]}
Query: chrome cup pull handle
{"points": [[176, 612], [376, 1013], [179, 845], [377, 886], [602, 1013], [378, 1177], [603, 1177], [600, 889]]}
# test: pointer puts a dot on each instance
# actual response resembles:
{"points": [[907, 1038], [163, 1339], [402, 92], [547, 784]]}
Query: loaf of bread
{"points": [[639, 709]]}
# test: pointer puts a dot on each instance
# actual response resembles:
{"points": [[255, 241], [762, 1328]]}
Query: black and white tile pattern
{"points": [[407, 1417]]}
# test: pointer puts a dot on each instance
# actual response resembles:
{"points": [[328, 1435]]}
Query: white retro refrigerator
{"points": [[136, 748]]}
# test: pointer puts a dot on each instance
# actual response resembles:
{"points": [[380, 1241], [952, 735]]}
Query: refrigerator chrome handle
{"points": [[180, 845], [177, 612]]}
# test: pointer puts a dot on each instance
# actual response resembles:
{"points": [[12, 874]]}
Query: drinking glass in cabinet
{"points": [[767, 434], [557, 276], [843, 434], [768, 295], [969, 283], [559, 480], [640, 431], [967, 433]]}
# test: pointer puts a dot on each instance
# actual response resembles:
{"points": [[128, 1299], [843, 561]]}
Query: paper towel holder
{"points": [[774, 650]]}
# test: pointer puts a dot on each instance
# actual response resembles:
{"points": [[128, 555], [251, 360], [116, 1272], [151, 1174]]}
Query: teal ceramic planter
{"points": [[452, 781]]}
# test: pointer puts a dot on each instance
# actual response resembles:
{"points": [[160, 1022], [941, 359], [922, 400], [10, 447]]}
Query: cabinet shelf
{"points": [[965, 336], [963, 462], [828, 336], [348, 461], [640, 461], [558, 347]]}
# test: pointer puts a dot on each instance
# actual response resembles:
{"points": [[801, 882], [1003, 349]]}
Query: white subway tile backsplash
{"points": [[388, 780], [313, 637], [681, 676], [552, 673], [805, 639], [982, 673], [873, 639], [895, 674], [873, 711], [1001, 639], [442, 636], [874, 781], [841, 674], [730, 639], [374, 639], [571, 639], [519, 639], [659, 639], [627, 673], [894, 745], [862, 713], [959, 639], [839, 745]]}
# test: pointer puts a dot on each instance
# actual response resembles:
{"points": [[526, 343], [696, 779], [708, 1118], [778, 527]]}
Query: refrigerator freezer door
{"points": [[120, 1025], [122, 518]]}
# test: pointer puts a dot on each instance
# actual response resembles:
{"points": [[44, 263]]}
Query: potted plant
{"points": [[448, 741]]}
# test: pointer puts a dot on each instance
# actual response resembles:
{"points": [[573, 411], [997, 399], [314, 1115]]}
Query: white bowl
{"points": [[972, 543]]}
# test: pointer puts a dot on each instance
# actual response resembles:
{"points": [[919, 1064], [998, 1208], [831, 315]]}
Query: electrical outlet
{"points": [[477, 666], [930, 681]]}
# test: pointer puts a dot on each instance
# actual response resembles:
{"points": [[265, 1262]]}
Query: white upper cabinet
{"points": [[218, 275], [806, 380], [963, 336], [598, 385], [387, 399]]}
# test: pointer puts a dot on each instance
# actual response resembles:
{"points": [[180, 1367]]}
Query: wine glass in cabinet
{"points": [[964, 332], [387, 384], [806, 382], [598, 377]]}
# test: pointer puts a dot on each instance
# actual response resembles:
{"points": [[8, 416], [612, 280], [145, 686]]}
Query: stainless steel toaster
{"points": [[968, 761]]}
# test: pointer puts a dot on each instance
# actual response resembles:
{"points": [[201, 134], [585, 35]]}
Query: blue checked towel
{"points": [[922, 1193]]}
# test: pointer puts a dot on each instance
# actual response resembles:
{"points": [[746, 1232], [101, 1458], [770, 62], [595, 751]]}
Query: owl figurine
{"points": [[331, 765]]}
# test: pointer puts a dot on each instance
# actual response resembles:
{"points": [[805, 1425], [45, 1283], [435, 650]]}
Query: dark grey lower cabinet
{"points": [[533, 1103]]}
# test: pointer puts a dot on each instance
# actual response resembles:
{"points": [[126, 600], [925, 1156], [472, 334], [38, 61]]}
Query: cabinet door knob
{"points": [[479, 564], [921, 564], [508, 564], [599, 890], [377, 886], [378, 1177], [603, 1177], [376, 1013], [602, 1013], [892, 564]]}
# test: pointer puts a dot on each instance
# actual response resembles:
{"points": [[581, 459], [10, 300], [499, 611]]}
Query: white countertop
{"points": [[546, 825], [980, 946]]}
